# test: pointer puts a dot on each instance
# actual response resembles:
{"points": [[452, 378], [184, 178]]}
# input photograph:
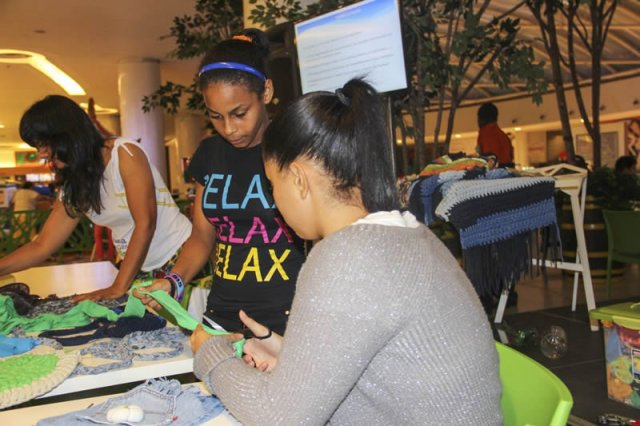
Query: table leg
{"points": [[583, 257]]}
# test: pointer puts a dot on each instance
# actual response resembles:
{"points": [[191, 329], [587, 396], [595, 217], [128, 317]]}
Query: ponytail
{"points": [[345, 132], [376, 179]]}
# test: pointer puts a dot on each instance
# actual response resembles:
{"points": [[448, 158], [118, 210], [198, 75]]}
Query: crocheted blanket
{"points": [[485, 212], [495, 215]]}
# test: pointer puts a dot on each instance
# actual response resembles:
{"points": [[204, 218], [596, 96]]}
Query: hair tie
{"points": [[265, 337], [344, 99], [242, 37]]}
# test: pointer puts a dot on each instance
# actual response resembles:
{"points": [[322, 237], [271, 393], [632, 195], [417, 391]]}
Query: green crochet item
{"points": [[25, 376], [23, 370], [81, 314]]}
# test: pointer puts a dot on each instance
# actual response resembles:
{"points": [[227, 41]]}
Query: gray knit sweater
{"points": [[385, 329]]}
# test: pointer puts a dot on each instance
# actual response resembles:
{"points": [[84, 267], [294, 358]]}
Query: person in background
{"points": [[491, 139], [385, 326], [626, 165], [111, 181], [257, 257], [26, 198]]}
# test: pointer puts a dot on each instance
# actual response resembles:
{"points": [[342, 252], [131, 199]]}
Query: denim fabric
{"points": [[112, 349], [164, 402], [169, 338], [134, 346]]}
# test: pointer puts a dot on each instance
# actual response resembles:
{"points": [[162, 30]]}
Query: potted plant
{"points": [[613, 191]]}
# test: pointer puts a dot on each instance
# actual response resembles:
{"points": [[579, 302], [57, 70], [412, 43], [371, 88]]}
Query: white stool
{"points": [[573, 184]]}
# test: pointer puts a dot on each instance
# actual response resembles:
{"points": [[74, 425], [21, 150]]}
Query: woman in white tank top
{"points": [[112, 182]]}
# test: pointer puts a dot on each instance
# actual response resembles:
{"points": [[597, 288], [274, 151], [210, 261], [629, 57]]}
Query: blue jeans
{"points": [[164, 402]]}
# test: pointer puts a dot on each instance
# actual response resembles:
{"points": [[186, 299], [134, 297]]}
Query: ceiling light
{"points": [[100, 110], [42, 64], [517, 129], [458, 136], [2, 126]]}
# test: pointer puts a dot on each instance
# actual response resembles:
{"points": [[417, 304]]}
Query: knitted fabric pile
{"points": [[495, 214]]}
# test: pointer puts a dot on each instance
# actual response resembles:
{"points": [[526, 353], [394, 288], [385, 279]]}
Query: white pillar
{"points": [[136, 79]]}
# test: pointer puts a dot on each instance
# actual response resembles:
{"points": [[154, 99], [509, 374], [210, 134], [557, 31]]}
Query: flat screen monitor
{"points": [[360, 40]]}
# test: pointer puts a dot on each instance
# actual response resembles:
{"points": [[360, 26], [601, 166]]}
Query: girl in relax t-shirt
{"points": [[256, 257]]}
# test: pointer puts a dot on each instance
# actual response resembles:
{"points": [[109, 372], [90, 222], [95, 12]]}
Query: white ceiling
{"points": [[87, 39]]}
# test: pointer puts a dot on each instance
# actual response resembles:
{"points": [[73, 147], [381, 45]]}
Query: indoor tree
{"points": [[587, 23], [461, 46], [545, 12], [212, 22], [450, 45]]}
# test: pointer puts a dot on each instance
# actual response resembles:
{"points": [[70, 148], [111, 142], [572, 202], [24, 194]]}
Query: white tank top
{"points": [[172, 227]]}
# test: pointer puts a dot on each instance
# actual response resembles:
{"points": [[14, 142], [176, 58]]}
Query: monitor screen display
{"points": [[360, 40]]}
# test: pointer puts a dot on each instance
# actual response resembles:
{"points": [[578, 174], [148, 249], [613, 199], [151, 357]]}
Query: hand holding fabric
{"points": [[263, 350], [160, 284], [198, 337]]}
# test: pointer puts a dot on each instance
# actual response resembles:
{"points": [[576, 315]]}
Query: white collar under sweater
{"points": [[390, 218]]}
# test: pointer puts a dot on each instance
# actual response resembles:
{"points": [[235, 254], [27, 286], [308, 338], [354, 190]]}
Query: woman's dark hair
{"points": [[251, 47], [345, 131], [61, 125]]}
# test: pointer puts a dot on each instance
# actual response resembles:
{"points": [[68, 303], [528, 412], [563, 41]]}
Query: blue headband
{"points": [[232, 66]]}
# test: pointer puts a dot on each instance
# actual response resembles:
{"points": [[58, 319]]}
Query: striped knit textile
{"points": [[427, 192], [496, 216]]}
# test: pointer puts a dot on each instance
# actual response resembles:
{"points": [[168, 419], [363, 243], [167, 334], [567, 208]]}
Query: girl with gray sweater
{"points": [[385, 327]]}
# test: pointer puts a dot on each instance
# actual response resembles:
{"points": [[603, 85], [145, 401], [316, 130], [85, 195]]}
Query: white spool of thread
{"points": [[125, 413]]}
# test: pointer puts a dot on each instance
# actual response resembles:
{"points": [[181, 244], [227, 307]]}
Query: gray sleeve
{"points": [[315, 371]]}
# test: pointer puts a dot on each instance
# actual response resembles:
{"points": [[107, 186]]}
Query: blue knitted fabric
{"points": [[496, 216], [428, 191], [485, 212]]}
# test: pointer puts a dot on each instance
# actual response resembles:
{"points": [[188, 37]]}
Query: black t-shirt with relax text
{"points": [[256, 255]]}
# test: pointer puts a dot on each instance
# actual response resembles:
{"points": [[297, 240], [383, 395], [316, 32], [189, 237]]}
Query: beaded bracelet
{"points": [[176, 280]]}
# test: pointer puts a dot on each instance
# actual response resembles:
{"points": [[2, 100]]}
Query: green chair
{"points": [[623, 236], [531, 394]]}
